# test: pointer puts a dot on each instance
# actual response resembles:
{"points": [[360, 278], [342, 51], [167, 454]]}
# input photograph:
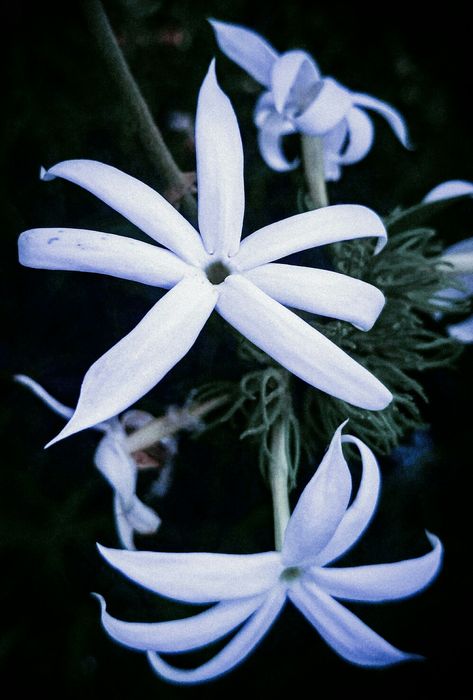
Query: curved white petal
{"points": [[137, 202], [263, 108], [247, 48], [330, 105], [342, 630], [449, 190], [221, 195], [124, 528], [42, 394], [134, 517], [340, 222], [233, 653], [91, 251], [297, 346], [460, 255], [320, 292], [360, 136], [198, 577], [137, 362], [117, 467], [380, 582], [359, 514], [320, 507], [270, 137], [392, 116], [294, 80], [181, 635], [462, 331]]}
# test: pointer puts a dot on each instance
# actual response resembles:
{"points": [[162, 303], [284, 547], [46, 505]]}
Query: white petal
{"points": [[263, 108], [320, 292], [117, 467], [460, 255], [137, 202], [294, 79], [331, 104], [297, 346], [182, 635], [359, 514], [462, 331], [124, 528], [449, 190], [270, 137], [320, 507], [137, 362], [340, 222], [106, 253], [221, 195], [361, 134], [392, 116], [247, 48], [342, 630], [233, 653], [135, 517], [41, 393], [135, 419], [198, 577], [381, 581]]}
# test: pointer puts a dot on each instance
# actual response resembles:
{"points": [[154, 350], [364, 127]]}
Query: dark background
{"points": [[60, 103]]}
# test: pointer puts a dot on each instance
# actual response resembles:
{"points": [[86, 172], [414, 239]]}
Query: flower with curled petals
{"points": [[213, 271], [250, 590], [114, 463], [299, 99]]}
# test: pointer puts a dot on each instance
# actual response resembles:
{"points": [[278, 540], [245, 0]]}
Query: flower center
{"points": [[217, 272], [290, 574]]}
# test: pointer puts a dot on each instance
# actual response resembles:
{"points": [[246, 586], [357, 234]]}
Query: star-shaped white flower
{"points": [[252, 589], [214, 271], [115, 464], [299, 99]]}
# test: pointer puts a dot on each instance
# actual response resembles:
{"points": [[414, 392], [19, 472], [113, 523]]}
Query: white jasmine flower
{"points": [[115, 464], [214, 271], [251, 589], [299, 99]]}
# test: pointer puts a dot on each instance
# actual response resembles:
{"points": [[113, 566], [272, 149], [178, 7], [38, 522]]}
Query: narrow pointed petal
{"points": [[320, 292], [117, 467], [182, 635], [330, 105], [247, 48], [297, 346], [381, 581], [450, 190], [361, 135], [42, 394], [137, 202], [294, 77], [359, 514], [320, 507], [137, 362], [392, 116], [343, 631], [233, 653], [91, 251], [198, 577], [340, 222], [221, 195], [463, 331], [136, 517], [270, 137]]}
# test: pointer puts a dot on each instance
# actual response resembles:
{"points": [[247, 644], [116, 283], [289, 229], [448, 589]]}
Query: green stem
{"points": [[278, 478], [140, 115], [313, 162]]}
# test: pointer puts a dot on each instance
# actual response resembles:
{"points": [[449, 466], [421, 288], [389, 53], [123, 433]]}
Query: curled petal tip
{"points": [[101, 600], [45, 175]]}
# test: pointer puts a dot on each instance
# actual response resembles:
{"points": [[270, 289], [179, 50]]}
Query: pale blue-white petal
{"points": [[294, 81], [198, 577], [342, 630], [320, 292], [137, 362], [263, 108], [392, 116], [185, 634], [41, 393], [221, 195], [137, 202], [462, 331], [359, 514], [449, 190], [320, 507], [460, 255], [270, 137], [297, 346], [380, 582], [333, 143], [233, 653], [330, 105], [117, 466], [340, 222], [134, 517], [123, 526], [360, 136], [91, 251]]}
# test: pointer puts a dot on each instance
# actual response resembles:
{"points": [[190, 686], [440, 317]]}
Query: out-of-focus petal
{"points": [[221, 195], [340, 222], [329, 106], [42, 394], [134, 517], [320, 292], [460, 255], [270, 137], [293, 77], [117, 467], [247, 48], [297, 346], [392, 116], [137, 362], [360, 136], [263, 108], [91, 251], [462, 331], [449, 190], [137, 202]]}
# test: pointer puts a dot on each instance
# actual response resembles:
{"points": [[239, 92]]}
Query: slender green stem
{"points": [[278, 477], [313, 162], [140, 115]]}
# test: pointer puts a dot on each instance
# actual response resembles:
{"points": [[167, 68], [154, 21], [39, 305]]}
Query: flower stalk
{"points": [[278, 478], [313, 162]]}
